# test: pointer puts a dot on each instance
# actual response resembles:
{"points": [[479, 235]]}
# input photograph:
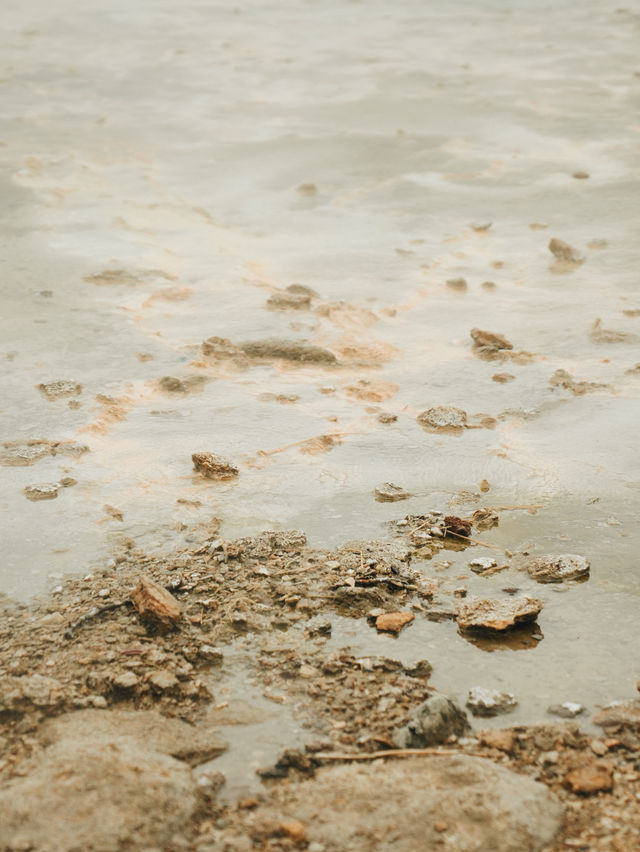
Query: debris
{"points": [[213, 466], [163, 680], [318, 626], [563, 379], [580, 175], [171, 384], [485, 519], [592, 778], [563, 251], [155, 605], [606, 335], [288, 350], [289, 301], [490, 702], [619, 714], [503, 740], [488, 345], [557, 569], [388, 492], [43, 491], [502, 378], [386, 417], [482, 564], [432, 722], [393, 622], [443, 418], [59, 389], [566, 710], [484, 614], [481, 228]]}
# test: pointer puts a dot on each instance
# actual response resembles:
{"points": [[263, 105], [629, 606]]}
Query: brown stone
{"points": [[591, 778], [623, 714], [155, 605], [393, 622], [500, 739], [294, 829]]}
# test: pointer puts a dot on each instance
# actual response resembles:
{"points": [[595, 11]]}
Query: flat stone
{"points": [[496, 615], [125, 681], [482, 563], [454, 802], [393, 622], [503, 740], [43, 491], [163, 680], [388, 492], [557, 569], [431, 723], [490, 702], [443, 418], [288, 350]]}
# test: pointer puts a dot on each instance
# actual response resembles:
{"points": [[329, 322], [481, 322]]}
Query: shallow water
{"points": [[174, 144]]}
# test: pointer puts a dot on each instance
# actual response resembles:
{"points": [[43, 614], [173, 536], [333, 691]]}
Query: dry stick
{"points": [[93, 613], [474, 540], [393, 752]]}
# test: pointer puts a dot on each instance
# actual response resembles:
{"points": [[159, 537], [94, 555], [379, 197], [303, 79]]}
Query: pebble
{"points": [[126, 680], [393, 622], [163, 680], [443, 418], [490, 702], [211, 654], [567, 710], [556, 569], [482, 563]]}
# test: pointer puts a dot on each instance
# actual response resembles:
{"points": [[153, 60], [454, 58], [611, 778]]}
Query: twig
{"points": [[474, 540], [93, 613], [393, 752]]}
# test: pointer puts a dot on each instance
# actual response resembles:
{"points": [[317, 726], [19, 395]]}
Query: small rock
{"points": [[289, 301], [388, 492], [288, 350], [442, 418], [593, 778], [488, 344], [163, 680], [431, 723], [421, 669], [549, 758], [318, 626], [484, 614], [211, 654], [599, 748], [502, 378], [503, 740], [43, 491], [566, 710], [580, 175], [387, 417], [294, 829], [59, 389], [623, 714], [460, 592], [155, 605], [482, 563], [556, 569], [490, 702], [457, 284], [393, 622], [563, 251], [213, 466], [125, 681]]}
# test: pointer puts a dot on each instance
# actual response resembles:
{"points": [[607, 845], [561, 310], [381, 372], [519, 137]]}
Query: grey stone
{"points": [[490, 702], [556, 569], [567, 710], [432, 722], [423, 803]]}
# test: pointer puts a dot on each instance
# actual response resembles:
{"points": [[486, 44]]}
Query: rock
{"points": [[592, 778], [431, 723], [503, 614], [80, 795], [214, 466], [318, 626], [457, 284], [563, 251], [490, 702], [387, 492], [60, 388], [387, 417], [294, 830], [457, 526], [489, 345], [502, 378], [171, 384], [421, 669], [482, 563], [289, 301], [211, 655], [137, 728], [443, 418], [43, 491], [163, 680], [557, 569], [155, 605], [393, 622], [289, 350], [125, 681], [566, 710], [503, 740], [619, 715], [20, 694], [422, 803], [222, 349]]}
